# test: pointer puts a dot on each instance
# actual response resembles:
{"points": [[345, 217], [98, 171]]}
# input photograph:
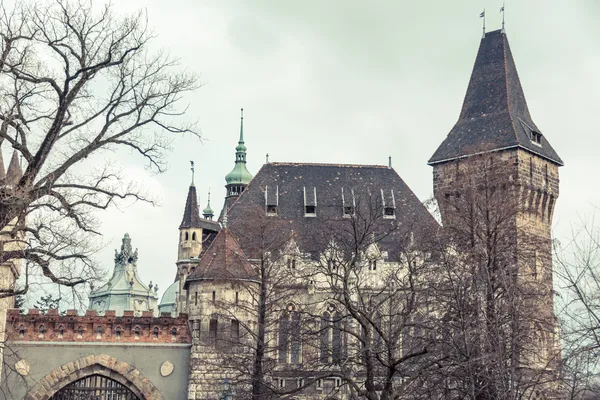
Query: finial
{"points": [[209, 197], [241, 125], [482, 15], [502, 11], [193, 171], [267, 158], [390, 162]]}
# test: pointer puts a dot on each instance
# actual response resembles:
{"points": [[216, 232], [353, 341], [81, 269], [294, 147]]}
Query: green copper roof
{"points": [[239, 174], [208, 211]]}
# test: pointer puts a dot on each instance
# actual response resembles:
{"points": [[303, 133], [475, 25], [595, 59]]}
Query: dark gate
{"points": [[95, 387]]}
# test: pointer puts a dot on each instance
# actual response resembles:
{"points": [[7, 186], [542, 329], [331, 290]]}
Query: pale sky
{"points": [[347, 81]]}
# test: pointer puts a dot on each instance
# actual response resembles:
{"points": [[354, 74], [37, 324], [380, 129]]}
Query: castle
{"points": [[284, 221]]}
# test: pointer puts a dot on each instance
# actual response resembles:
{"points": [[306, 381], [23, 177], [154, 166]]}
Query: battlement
{"points": [[91, 327]]}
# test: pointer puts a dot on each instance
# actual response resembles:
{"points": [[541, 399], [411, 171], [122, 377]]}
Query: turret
{"points": [[208, 212], [239, 177]]}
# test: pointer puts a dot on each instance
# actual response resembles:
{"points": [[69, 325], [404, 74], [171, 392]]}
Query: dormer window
{"points": [[271, 200], [536, 137], [348, 203], [310, 202], [388, 201], [389, 211], [272, 210]]}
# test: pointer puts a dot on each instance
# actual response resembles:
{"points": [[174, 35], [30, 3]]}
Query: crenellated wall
{"points": [[92, 327]]}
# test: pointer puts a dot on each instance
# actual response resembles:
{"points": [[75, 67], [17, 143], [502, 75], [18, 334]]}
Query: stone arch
{"points": [[100, 364]]}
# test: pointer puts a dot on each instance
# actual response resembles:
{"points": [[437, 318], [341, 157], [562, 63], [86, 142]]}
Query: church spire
{"points": [[494, 114], [13, 173], [191, 215]]}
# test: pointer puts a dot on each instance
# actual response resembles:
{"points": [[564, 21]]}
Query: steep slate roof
{"points": [[13, 172], [285, 184], [223, 260], [494, 115], [191, 214]]}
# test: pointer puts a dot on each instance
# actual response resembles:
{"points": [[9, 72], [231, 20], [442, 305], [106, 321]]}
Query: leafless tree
{"points": [[77, 81]]}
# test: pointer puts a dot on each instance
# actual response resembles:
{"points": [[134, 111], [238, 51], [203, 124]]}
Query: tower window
{"points": [[237, 297], [118, 333], [536, 137], [212, 328], [187, 236], [173, 334], [272, 210], [214, 295], [372, 265], [61, 331], [194, 236]]}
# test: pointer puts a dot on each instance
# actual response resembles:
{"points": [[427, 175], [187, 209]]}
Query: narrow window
{"points": [[61, 331], [284, 334], [21, 331], [136, 333], [324, 336], [214, 296], [42, 330], [293, 263], [187, 236], [155, 333], [299, 383], [99, 332], [319, 383], [79, 332], [546, 173], [235, 329], [212, 328], [173, 334], [530, 170], [194, 236], [295, 345], [196, 298], [118, 333], [237, 297], [336, 339]]}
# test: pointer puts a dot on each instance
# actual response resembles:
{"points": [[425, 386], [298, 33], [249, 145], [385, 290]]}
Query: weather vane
{"points": [[482, 15], [502, 11]]}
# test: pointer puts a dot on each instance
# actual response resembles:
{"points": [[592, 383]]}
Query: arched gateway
{"points": [[94, 377]]}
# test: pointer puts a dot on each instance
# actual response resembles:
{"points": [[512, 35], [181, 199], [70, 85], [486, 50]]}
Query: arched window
{"points": [[136, 333], [42, 330], [155, 332], [296, 347], [21, 331], [336, 339], [173, 333], [99, 332], [284, 336], [187, 236], [96, 386], [194, 236], [61, 331], [79, 332], [118, 332], [325, 332]]}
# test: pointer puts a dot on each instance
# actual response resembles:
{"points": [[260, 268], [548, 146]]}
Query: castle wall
{"points": [[44, 342]]}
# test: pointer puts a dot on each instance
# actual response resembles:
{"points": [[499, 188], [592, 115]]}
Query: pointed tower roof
{"points": [[223, 260], [239, 174], [191, 214], [494, 115], [2, 171], [13, 173]]}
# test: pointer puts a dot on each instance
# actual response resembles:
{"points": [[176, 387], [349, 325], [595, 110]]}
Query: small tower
{"points": [[239, 177], [208, 212]]}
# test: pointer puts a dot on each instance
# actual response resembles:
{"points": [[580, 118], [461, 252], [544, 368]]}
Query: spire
{"points": [[208, 212], [13, 173], [239, 174], [191, 215], [2, 171], [494, 114], [193, 172]]}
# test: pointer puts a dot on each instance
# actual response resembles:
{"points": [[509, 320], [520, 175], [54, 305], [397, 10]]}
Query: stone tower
{"points": [[239, 177], [10, 270], [497, 149]]}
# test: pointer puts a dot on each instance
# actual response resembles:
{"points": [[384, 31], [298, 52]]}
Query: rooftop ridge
{"points": [[298, 164]]}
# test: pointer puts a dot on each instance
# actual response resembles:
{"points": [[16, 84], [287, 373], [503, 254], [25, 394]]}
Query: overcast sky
{"points": [[354, 82]]}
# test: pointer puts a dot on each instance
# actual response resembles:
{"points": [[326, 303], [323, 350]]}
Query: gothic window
{"points": [[136, 333], [324, 342], [173, 333], [289, 344], [155, 333], [284, 331], [118, 333], [336, 339], [42, 330], [194, 236], [61, 331], [187, 236], [214, 296], [372, 265], [79, 332], [99, 333], [237, 297], [295, 345]]}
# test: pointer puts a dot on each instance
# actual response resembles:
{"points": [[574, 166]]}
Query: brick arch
{"points": [[100, 364]]}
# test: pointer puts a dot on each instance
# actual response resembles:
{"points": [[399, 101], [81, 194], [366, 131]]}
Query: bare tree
{"points": [[77, 81]]}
